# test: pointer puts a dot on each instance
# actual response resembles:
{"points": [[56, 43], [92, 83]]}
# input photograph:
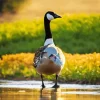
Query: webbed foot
{"points": [[56, 86]]}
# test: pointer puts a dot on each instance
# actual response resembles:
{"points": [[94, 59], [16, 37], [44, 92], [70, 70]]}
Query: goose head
{"points": [[51, 15]]}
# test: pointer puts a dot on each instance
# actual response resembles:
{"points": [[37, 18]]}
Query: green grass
{"points": [[73, 33]]}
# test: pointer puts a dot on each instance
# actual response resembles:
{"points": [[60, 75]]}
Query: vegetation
{"points": [[73, 33], [84, 68]]}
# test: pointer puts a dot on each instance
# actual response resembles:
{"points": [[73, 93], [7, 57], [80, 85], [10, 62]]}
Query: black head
{"points": [[51, 15]]}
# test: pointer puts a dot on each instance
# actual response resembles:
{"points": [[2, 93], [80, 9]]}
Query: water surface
{"points": [[31, 90]]}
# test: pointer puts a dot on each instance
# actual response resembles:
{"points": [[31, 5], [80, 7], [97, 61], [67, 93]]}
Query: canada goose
{"points": [[49, 59]]}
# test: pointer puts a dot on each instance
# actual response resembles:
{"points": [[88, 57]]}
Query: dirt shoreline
{"points": [[59, 80]]}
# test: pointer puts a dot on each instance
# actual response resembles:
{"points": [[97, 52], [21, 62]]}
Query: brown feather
{"points": [[48, 67], [38, 55]]}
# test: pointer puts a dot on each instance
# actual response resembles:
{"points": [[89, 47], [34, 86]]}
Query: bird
{"points": [[49, 58]]}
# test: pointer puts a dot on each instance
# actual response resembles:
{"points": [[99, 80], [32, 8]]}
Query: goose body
{"points": [[49, 59]]}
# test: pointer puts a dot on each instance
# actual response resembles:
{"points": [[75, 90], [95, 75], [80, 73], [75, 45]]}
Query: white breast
{"points": [[48, 41]]}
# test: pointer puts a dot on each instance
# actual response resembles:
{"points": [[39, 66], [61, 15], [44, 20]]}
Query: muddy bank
{"points": [[59, 80]]}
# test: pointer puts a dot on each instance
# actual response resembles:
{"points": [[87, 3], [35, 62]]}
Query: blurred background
{"points": [[79, 25], [28, 9], [76, 33]]}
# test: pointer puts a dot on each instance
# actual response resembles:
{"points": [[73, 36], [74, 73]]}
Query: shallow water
{"points": [[31, 90]]}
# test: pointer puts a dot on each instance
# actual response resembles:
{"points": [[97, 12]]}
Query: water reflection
{"points": [[48, 94]]}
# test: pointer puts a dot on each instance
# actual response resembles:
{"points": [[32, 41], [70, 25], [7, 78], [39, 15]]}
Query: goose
{"points": [[49, 59]]}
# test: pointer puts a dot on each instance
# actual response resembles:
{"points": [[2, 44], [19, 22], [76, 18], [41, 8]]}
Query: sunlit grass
{"points": [[73, 33], [78, 67]]}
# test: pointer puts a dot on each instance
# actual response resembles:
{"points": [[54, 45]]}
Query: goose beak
{"points": [[57, 16]]}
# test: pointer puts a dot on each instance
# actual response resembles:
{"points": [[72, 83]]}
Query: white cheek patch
{"points": [[49, 17]]}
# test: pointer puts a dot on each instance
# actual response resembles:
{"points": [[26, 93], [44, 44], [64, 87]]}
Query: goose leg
{"points": [[43, 86], [56, 85]]}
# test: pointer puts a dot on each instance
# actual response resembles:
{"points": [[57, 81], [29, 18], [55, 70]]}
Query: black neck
{"points": [[48, 33]]}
